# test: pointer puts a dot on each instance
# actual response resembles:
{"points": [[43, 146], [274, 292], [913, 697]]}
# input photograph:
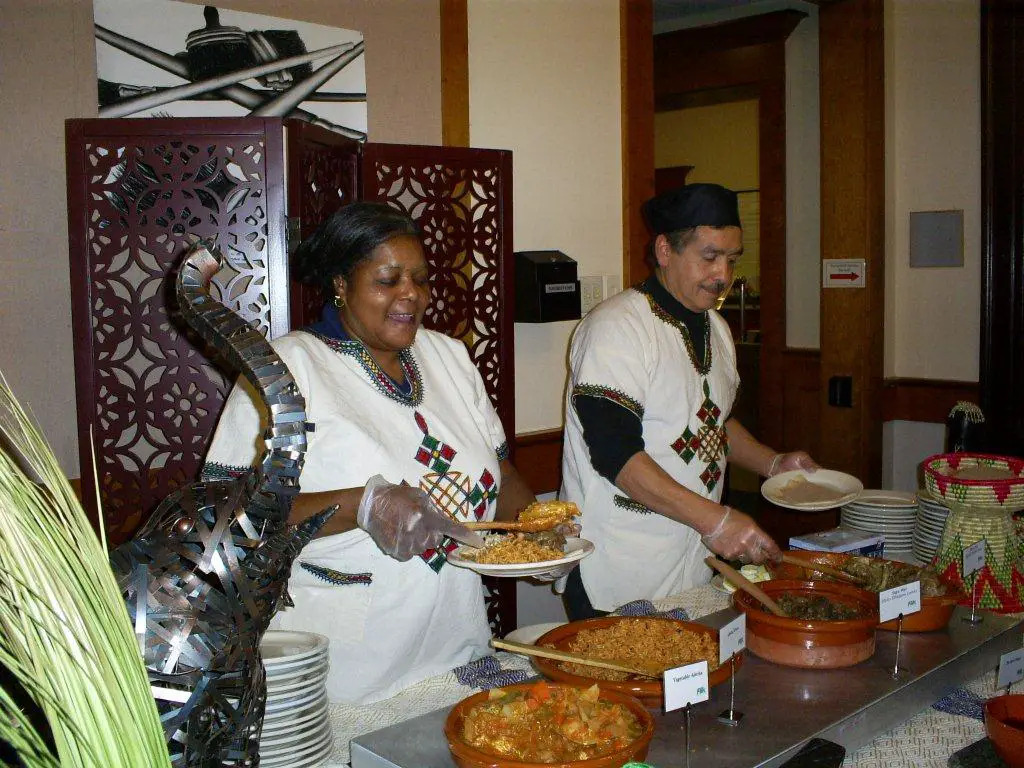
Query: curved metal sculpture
{"points": [[203, 577]]}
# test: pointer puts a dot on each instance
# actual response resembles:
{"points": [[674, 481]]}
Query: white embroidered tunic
{"points": [[631, 351], [413, 619]]}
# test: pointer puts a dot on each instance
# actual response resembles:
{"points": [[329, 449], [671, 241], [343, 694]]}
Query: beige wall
{"points": [[933, 156], [544, 82], [47, 57]]}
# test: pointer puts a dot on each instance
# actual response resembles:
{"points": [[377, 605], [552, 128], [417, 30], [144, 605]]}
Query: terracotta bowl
{"points": [[649, 691], [935, 611], [1004, 724], [466, 756], [813, 643]]}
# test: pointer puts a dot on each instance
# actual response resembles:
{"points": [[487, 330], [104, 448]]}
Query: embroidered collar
{"points": [[332, 333], [669, 310]]}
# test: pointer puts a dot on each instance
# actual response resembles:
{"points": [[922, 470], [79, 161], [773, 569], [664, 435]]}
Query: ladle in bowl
{"points": [[742, 582]]}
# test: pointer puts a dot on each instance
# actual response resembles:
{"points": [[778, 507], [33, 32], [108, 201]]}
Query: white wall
{"points": [[933, 160], [544, 82]]}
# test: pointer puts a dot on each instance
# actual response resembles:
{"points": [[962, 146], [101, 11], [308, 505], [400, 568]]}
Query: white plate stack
{"points": [[296, 730], [931, 521], [890, 513]]}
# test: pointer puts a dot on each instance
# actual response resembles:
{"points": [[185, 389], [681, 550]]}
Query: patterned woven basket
{"points": [[943, 483]]}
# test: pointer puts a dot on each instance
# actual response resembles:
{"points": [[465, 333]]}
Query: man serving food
{"points": [[652, 382]]}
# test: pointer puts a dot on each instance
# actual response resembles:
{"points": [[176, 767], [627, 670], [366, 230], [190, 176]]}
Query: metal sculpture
{"points": [[203, 577]]}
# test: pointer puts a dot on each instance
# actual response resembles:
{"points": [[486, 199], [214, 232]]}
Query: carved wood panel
{"points": [[461, 199], [323, 175], [140, 191]]}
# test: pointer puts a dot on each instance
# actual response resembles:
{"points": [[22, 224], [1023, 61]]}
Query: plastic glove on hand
{"points": [[786, 462], [401, 519], [738, 537]]}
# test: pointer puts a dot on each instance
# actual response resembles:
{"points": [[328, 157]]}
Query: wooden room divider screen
{"points": [[141, 190]]}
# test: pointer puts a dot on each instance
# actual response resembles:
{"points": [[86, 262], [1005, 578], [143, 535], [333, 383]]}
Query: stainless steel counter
{"points": [[783, 707]]}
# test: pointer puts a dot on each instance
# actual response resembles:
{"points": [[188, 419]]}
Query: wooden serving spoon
{"points": [[742, 582], [551, 653]]}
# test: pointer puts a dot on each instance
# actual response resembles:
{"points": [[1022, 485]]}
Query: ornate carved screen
{"points": [[323, 175], [139, 191], [462, 201]]}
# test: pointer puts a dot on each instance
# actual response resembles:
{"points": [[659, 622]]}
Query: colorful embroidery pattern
{"points": [[384, 383], [703, 368], [627, 503], [212, 471], [453, 493], [607, 393], [709, 444], [337, 578]]}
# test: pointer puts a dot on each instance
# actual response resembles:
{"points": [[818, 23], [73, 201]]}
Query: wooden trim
{"points": [[636, 50], [539, 459], [924, 399], [454, 73], [853, 227]]}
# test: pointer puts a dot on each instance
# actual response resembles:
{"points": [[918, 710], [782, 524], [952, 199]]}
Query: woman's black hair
{"points": [[345, 239]]}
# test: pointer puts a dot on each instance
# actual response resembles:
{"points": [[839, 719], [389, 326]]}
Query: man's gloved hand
{"points": [[738, 537], [786, 462], [400, 519]]}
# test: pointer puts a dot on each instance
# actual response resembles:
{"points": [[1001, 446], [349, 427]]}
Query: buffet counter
{"points": [[926, 738]]}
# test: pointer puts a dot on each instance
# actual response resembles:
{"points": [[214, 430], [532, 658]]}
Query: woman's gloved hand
{"points": [[401, 519], [738, 537], [785, 462]]}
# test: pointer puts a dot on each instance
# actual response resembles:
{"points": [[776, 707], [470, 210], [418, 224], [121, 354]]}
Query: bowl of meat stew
{"points": [[828, 625], [938, 599], [548, 725]]}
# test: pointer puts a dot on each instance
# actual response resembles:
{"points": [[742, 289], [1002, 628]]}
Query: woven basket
{"points": [[1007, 495]]}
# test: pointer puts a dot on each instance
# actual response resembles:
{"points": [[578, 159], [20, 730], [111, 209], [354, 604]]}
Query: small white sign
{"points": [[974, 557], [732, 638], [903, 600], [1011, 668], [843, 273], [686, 685]]}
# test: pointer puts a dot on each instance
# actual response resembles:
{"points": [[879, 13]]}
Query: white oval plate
{"points": [[313, 733], [298, 684], [281, 646], [575, 549], [879, 498], [528, 635], [276, 676], [280, 704], [287, 754], [277, 720], [846, 488], [289, 725]]}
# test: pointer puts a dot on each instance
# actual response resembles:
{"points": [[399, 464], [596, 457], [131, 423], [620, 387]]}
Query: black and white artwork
{"points": [[161, 58]]}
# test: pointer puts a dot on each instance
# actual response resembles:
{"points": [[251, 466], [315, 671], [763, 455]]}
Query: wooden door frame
{"points": [[743, 59]]}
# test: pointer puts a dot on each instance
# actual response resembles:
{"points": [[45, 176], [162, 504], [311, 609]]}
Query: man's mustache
{"points": [[718, 286]]}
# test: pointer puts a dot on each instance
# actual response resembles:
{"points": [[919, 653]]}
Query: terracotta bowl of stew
{"points": [[649, 690], [1004, 725], [935, 610], [468, 756], [810, 643]]}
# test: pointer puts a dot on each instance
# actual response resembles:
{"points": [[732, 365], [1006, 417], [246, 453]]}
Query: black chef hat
{"points": [[695, 205]]}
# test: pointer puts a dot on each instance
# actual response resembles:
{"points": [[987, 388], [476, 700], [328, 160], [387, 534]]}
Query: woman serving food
{"points": [[405, 442]]}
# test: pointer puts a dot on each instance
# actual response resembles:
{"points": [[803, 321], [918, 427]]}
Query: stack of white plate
{"points": [[890, 513], [296, 730], [931, 521]]}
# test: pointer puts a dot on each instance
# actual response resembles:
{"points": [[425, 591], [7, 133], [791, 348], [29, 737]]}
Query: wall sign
{"points": [[843, 273]]}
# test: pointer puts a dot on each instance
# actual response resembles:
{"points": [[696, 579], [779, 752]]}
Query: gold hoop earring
{"points": [[339, 302]]}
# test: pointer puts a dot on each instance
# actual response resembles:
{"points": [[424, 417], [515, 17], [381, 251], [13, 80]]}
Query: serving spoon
{"points": [[552, 653], [742, 582]]}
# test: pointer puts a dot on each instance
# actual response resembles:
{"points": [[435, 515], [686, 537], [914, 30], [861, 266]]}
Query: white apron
{"points": [[414, 619], [629, 350]]}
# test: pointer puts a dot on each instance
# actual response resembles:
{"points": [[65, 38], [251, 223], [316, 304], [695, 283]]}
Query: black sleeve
{"points": [[613, 434]]}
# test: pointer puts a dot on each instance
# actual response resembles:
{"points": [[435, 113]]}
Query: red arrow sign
{"points": [[844, 276]]}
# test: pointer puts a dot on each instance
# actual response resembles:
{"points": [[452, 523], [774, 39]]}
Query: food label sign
{"points": [[1011, 668], [974, 557], [899, 600], [686, 685], [732, 638]]}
